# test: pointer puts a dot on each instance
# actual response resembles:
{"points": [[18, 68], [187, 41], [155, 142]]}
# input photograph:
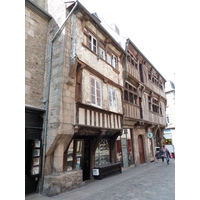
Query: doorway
{"points": [[141, 149], [86, 160]]}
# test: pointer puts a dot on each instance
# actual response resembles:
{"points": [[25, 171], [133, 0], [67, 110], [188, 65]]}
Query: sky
{"points": [[154, 26]]}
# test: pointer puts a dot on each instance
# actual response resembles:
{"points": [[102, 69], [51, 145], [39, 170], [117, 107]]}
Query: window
{"points": [[112, 99], [108, 59], [130, 94], [102, 153], [102, 53], [92, 43], [155, 106], [114, 61], [149, 100], [95, 92]]}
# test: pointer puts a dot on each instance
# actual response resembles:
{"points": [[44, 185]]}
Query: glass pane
{"points": [[37, 143], [108, 59], [70, 156], [35, 170], [102, 153], [36, 161], [36, 152]]}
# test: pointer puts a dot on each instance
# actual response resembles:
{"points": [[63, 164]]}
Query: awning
{"points": [[167, 136], [167, 131]]}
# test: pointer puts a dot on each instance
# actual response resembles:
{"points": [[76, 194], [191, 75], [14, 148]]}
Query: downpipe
{"points": [[48, 91]]}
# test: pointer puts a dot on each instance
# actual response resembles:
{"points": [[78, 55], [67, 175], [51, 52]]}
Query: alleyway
{"points": [[152, 181]]}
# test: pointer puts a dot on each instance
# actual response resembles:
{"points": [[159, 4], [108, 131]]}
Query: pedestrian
{"points": [[167, 155], [157, 156], [162, 154]]}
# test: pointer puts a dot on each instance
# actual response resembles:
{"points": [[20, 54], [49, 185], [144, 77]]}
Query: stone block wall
{"points": [[59, 183], [35, 44]]}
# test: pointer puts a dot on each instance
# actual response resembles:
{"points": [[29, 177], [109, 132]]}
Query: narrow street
{"points": [[150, 181]]}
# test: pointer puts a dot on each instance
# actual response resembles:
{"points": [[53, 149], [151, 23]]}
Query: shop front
{"points": [[33, 149], [87, 152], [124, 148]]}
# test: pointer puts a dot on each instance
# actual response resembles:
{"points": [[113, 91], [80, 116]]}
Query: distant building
{"points": [[169, 133]]}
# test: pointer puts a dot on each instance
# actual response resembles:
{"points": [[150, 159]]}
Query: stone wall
{"points": [[59, 183], [35, 44]]}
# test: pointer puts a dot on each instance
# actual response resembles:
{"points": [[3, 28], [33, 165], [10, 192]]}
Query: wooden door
{"points": [[141, 149]]}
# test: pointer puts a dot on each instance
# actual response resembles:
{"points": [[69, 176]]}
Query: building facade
{"points": [[169, 133], [36, 26], [93, 102], [144, 104]]}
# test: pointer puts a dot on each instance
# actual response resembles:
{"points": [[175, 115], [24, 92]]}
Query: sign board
{"points": [[149, 134]]}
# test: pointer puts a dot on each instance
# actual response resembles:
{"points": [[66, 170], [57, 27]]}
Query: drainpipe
{"points": [[48, 90]]}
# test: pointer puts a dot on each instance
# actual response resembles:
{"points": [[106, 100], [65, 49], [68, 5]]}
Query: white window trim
{"points": [[114, 61], [113, 106], [95, 104], [92, 45], [102, 50]]}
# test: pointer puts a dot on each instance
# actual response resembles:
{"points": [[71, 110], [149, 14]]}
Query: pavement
{"points": [[150, 181]]}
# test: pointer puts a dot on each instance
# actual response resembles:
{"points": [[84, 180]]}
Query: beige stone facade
{"points": [[87, 108]]}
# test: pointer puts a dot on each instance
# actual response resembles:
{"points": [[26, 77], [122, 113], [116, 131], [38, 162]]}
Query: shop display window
{"points": [[70, 156], [102, 153]]}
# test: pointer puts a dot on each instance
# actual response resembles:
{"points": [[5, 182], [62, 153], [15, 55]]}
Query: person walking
{"points": [[157, 156], [162, 154], [167, 155]]}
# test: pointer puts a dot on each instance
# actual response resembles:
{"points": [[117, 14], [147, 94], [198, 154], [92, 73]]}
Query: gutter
{"points": [[48, 90]]}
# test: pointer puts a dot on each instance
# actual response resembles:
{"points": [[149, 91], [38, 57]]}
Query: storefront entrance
{"points": [[86, 160], [33, 150], [141, 149]]}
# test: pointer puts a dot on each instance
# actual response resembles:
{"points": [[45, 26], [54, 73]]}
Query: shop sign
{"points": [[149, 134]]}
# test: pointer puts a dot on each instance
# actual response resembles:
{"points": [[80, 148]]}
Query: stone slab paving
{"points": [[151, 181]]}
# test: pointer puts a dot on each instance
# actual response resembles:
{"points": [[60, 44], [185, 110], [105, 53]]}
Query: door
{"points": [[141, 149], [86, 160], [124, 152]]}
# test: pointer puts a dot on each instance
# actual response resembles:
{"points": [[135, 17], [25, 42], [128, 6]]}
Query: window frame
{"points": [[112, 103], [104, 53], [114, 60], [92, 43], [96, 92]]}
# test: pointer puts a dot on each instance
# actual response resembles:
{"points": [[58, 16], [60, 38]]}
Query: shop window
{"points": [[102, 153], [95, 92], [70, 156], [118, 149]]}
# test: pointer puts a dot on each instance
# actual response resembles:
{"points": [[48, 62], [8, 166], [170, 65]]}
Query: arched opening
{"points": [[141, 149]]}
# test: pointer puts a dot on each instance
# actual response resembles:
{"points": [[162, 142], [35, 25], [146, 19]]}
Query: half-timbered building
{"points": [[144, 105]]}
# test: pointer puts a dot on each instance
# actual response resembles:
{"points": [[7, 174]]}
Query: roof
{"points": [[117, 39], [129, 40], [97, 21]]}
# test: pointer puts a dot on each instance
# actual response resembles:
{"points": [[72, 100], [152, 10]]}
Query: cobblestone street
{"points": [[150, 181]]}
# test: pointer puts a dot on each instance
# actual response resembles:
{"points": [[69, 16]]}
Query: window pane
{"points": [[90, 41], [70, 156], [108, 59]]}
